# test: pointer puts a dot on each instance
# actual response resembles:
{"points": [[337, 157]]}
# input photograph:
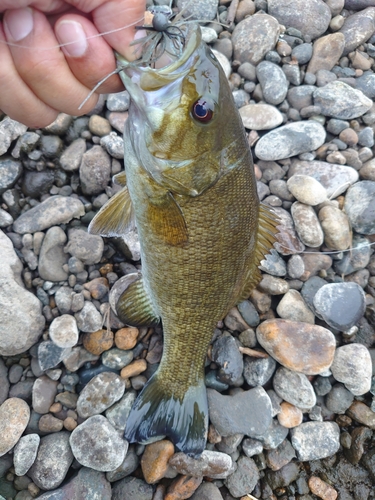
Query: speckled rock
{"points": [[327, 51], [244, 478], [210, 464], [273, 81], [86, 247], [14, 417], [290, 416], [44, 392], [155, 460], [99, 394], [340, 100], [99, 341], [10, 130], [353, 367], [294, 388], [133, 488], [50, 355], [339, 399], [25, 453], [358, 28], [52, 256], [95, 170], [258, 371], [292, 307], [226, 355], [307, 190], [360, 207], [260, 116], [336, 228], [89, 318], [199, 10], [118, 413], [316, 440], [307, 224], [63, 331], [71, 157]]}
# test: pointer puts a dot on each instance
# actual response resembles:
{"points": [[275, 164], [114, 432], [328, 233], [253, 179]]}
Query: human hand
{"points": [[38, 79]]}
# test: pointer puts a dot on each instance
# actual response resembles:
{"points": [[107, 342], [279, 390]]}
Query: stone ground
{"points": [[289, 373]]}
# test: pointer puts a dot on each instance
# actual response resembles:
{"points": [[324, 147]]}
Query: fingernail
{"points": [[73, 38], [19, 23]]}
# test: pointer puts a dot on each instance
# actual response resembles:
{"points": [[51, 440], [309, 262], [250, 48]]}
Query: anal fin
{"points": [[134, 307]]}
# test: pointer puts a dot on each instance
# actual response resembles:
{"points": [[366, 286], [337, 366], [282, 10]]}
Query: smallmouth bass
{"points": [[189, 187]]}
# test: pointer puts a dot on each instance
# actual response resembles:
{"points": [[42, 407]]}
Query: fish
{"points": [[190, 190]]}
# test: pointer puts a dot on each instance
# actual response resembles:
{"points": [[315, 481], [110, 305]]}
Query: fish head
{"points": [[181, 117]]}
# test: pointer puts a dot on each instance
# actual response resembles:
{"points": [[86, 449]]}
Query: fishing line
{"points": [[328, 252]]}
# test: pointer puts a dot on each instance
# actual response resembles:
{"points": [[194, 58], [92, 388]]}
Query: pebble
{"points": [[126, 338], [128, 466], [63, 331], [340, 100], [322, 489], [362, 414], [358, 257], [253, 37], [14, 417], [99, 394], [290, 140], [52, 257], [48, 423], [133, 488], [273, 82], [307, 224], [257, 372], [96, 444], [5, 218], [326, 52], [86, 247], [37, 183], [358, 28], [251, 317], [341, 305], [226, 355], [292, 307], [360, 206], [113, 145], [155, 460], [207, 491], [134, 369], [294, 388], [89, 318], [50, 355], [244, 478], [98, 342], [282, 455], [273, 286], [339, 399], [290, 416], [182, 487], [282, 477], [307, 190], [118, 413], [71, 157], [260, 116], [209, 464], [315, 440], [117, 358], [25, 453], [199, 10], [336, 228], [366, 84], [10, 130], [247, 412], [99, 126], [119, 101], [18, 332], [310, 19], [52, 462], [353, 367], [95, 170], [44, 392], [5, 378]]}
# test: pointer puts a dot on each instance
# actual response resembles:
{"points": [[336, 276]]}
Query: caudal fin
{"points": [[157, 414]]}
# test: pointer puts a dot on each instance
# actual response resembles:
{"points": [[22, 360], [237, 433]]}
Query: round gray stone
{"points": [[273, 82], [294, 388], [360, 207], [99, 394], [315, 440], [25, 453], [353, 367], [340, 100]]}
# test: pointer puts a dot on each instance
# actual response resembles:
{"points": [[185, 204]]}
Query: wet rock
{"points": [[52, 462], [44, 392], [86, 247], [352, 366], [18, 332], [339, 399], [340, 100], [52, 256], [210, 464], [336, 228], [226, 355], [247, 412], [89, 318], [63, 331], [51, 212], [316, 440], [258, 372], [25, 453], [99, 394], [71, 158], [244, 478], [14, 417], [341, 305], [358, 28], [294, 388], [327, 51], [290, 416], [155, 460], [360, 207], [253, 37], [290, 140], [307, 224], [310, 19], [132, 488], [96, 444], [260, 116], [307, 190], [273, 82], [95, 170]]}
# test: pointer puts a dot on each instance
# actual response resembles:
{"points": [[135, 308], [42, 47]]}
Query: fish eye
{"points": [[203, 110]]}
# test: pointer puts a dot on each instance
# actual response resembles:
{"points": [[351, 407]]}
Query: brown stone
{"points": [[14, 417], [301, 347], [70, 424], [126, 338], [183, 487], [327, 51], [322, 489], [213, 436], [361, 413], [48, 423], [336, 228], [349, 136], [290, 416], [314, 263], [135, 368], [209, 463], [234, 321], [98, 342], [155, 459], [261, 301], [358, 438], [97, 287]]}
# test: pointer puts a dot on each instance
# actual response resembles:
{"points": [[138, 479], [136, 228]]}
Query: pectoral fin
{"points": [[120, 179], [167, 220], [135, 308], [116, 217]]}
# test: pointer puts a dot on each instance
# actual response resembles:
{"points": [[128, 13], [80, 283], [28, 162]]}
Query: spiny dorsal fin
{"points": [[167, 220], [116, 217], [120, 179]]}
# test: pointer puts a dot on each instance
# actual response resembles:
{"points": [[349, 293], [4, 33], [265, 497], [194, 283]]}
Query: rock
{"points": [[290, 140], [89, 318], [247, 412], [114, 145], [95, 170], [226, 355], [183, 487], [37, 183], [244, 478], [14, 417], [282, 477], [71, 157], [300, 97], [52, 257], [307, 190], [282, 455], [316, 440], [322, 489], [210, 464], [207, 491], [10, 130], [52, 462], [336, 228], [294, 388], [290, 416], [199, 10], [25, 453], [358, 257], [99, 341], [273, 81], [340, 100], [260, 116], [63, 331], [126, 338], [128, 466], [22, 321], [50, 355], [99, 126], [86, 247], [44, 392], [96, 444], [77, 357], [119, 101], [366, 84], [341, 305], [258, 371], [134, 369], [362, 414], [327, 51], [51, 212], [155, 460], [360, 207], [353, 367], [5, 218], [307, 225], [99, 394], [358, 28], [118, 413], [253, 37], [133, 488], [4, 381], [339, 399]]}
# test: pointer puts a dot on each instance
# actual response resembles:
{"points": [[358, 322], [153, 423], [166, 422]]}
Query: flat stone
{"points": [[290, 140], [44, 392], [327, 51], [340, 100], [316, 440], [95, 170], [10, 130], [258, 371], [362, 414], [50, 355], [52, 257], [260, 116], [210, 464], [89, 318], [360, 207], [273, 81], [307, 190], [71, 157], [294, 388], [307, 225], [14, 417], [63, 331], [51, 212], [353, 367], [99, 394], [155, 460], [244, 478], [336, 228], [88, 248], [25, 453], [358, 28], [52, 462]]}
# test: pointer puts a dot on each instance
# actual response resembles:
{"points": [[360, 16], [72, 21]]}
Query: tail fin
{"points": [[156, 414]]}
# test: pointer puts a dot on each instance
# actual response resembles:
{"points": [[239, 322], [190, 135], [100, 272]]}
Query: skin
{"points": [[38, 79]]}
